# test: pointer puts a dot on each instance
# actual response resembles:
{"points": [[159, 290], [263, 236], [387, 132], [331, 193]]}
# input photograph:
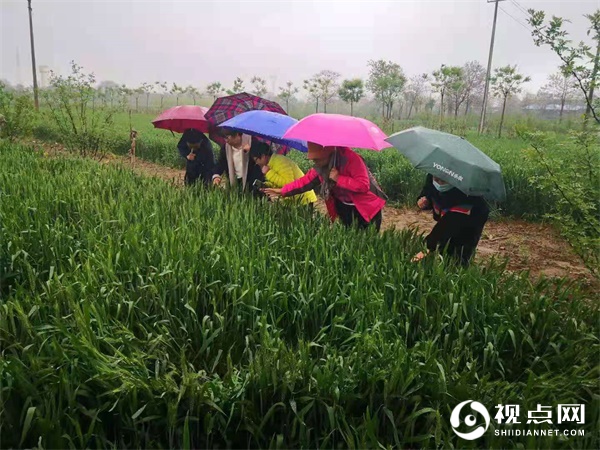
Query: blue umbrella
{"points": [[267, 125]]}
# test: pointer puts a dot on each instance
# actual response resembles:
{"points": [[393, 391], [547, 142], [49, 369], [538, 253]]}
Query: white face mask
{"points": [[442, 187]]}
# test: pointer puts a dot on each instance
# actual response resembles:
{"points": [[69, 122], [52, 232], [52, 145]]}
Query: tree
{"points": [[214, 90], [193, 92], [506, 82], [458, 90], [351, 92], [108, 90], [260, 86], [448, 81], [560, 88], [137, 93], [177, 91], [148, 89], [312, 86], [474, 78], [287, 93], [578, 61], [327, 86], [162, 89], [238, 87], [386, 81], [414, 91], [127, 93]]}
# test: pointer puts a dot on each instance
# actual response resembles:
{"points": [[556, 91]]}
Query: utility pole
{"points": [[489, 68], [33, 66]]}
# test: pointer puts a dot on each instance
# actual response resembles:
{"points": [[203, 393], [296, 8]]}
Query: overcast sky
{"points": [[197, 42]]}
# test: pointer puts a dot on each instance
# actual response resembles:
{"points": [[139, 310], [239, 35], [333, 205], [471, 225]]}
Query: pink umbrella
{"points": [[331, 130], [181, 118]]}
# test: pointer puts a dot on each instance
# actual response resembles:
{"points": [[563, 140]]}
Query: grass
{"points": [[134, 314]]}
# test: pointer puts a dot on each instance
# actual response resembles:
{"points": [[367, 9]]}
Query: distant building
{"points": [[44, 76], [555, 107]]}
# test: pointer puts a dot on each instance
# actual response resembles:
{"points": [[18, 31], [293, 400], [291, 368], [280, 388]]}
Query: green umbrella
{"points": [[452, 159]]}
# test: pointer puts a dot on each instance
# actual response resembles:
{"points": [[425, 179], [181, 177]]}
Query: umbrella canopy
{"points": [[331, 130], [224, 108], [181, 118], [452, 159], [267, 125]]}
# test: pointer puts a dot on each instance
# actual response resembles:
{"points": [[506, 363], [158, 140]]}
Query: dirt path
{"points": [[533, 246]]}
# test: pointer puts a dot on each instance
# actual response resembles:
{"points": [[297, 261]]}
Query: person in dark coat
{"points": [[460, 220], [195, 147]]}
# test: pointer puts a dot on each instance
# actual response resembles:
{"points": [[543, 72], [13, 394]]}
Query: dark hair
{"points": [[229, 132], [259, 149], [192, 136]]}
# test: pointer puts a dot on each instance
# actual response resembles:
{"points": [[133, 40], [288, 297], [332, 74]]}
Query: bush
{"points": [[83, 125], [16, 113], [570, 173]]}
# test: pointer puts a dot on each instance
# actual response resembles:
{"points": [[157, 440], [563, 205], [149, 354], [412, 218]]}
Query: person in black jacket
{"points": [[460, 220], [195, 147]]}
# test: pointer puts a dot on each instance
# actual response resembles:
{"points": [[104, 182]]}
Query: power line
{"points": [[518, 5], [515, 19]]}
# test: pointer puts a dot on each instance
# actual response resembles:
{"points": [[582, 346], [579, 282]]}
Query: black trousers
{"points": [[457, 235], [349, 216]]}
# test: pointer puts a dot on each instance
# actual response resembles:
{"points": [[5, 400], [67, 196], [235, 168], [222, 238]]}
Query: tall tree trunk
{"points": [[194, 100], [410, 108], [317, 106], [161, 102], [467, 106], [137, 99], [456, 106], [287, 105], [351, 108], [147, 101], [324, 106], [590, 98], [442, 107], [562, 108], [502, 117]]}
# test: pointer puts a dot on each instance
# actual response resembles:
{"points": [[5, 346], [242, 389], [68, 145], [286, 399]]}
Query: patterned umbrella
{"points": [[225, 108]]}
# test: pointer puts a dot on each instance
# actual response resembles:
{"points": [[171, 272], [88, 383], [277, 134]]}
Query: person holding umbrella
{"points": [[350, 191], [195, 147], [460, 220], [459, 177]]}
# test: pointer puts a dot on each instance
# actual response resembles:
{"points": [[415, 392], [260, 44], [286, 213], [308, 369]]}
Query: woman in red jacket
{"points": [[349, 189]]}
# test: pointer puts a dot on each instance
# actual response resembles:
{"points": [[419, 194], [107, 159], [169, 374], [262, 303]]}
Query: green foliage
{"points": [[351, 92], [570, 172], [214, 90], [259, 86], [16, 113], [72, 107], [287, 93], [117, 334], [238, 87], [506, 81], [386, 81], [448, 80], [581, 61]]}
